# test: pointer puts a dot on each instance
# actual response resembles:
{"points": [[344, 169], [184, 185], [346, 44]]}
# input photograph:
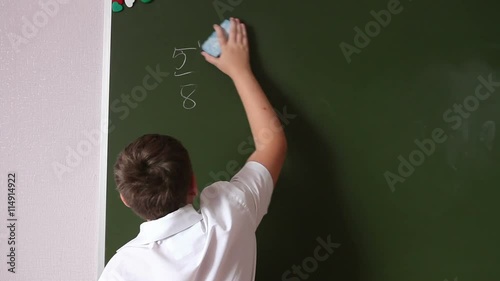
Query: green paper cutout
{"points": [[117, 7]]}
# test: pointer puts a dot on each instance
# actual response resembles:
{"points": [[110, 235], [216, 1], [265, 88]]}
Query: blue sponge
{"points": [[212, 46]]}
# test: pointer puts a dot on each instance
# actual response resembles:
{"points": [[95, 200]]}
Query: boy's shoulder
{"points": [[247, 194]]}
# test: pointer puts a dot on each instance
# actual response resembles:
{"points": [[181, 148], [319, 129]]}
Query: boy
{"points": [[154, 178]]}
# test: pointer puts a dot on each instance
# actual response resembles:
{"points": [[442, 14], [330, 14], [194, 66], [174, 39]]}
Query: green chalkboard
{"points": [[390, 118]]}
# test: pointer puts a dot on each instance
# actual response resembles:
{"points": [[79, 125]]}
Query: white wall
{"points": [[52, 92]]}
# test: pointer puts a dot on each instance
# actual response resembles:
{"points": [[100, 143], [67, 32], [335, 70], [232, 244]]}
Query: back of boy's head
{"points": [[153, 174]]}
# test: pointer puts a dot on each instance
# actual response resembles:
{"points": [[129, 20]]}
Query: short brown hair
{"points": [[154, 174]]}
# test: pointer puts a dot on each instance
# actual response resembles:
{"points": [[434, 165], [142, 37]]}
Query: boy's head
{"points": [[154, 177]]}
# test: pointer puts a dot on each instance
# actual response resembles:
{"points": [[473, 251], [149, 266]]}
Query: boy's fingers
{"points": [[220, 35], [232, 30], [244, 34], [209, 58], [238, 32]]}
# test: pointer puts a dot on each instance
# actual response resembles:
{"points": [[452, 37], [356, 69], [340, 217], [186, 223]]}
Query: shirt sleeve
{"points": [[110, 272], [256, 184]]}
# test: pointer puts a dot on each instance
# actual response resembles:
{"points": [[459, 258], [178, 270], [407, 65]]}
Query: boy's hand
{"points": [[234, 58]]}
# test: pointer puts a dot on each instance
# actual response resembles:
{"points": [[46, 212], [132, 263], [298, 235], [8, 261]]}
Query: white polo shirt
{"points": [[215, 244]]}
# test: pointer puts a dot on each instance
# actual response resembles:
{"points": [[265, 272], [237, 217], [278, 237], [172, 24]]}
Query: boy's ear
{"points": [[123, 200], [194, 187]]}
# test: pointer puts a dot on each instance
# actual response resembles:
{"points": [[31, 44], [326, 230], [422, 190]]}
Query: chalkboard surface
{"points": [[391, 110]]}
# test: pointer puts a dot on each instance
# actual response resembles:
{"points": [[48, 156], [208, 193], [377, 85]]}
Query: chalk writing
{"points": [[186, 90]]}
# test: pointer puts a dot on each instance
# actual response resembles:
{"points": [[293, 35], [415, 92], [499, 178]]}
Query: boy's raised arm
{"points": [[270, 140]]}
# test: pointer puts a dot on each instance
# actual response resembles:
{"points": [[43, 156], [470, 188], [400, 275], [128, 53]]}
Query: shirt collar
{"points": [[166, 226]]}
